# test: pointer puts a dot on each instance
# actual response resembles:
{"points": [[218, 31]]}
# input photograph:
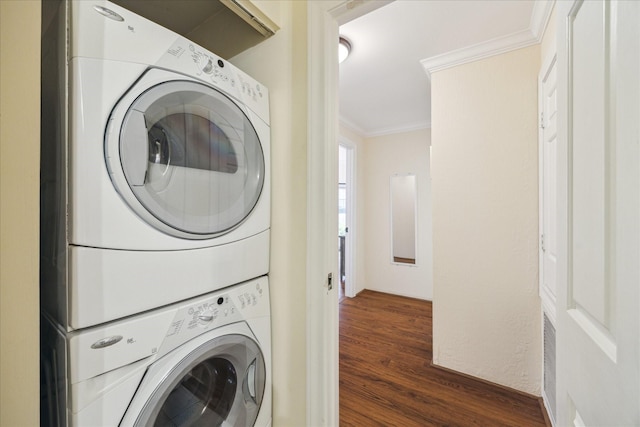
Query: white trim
{"points": [[479, 51], [540, 17], [348, 124], [352, 206], [322, 205], [410, 127], [497, 46], [323, 18]]}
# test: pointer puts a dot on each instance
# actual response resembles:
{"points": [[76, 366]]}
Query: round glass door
{"points": [[220, 384], [192, 158]]}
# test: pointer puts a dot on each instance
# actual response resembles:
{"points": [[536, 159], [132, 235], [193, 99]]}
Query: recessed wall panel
{"points": [[590, 148]]}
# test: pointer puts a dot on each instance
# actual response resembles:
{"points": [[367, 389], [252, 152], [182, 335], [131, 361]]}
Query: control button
{"points": [[220, 63], [220, 301], [106, 342]]}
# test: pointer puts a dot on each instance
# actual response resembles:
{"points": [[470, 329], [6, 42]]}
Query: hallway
{"points": [[386, 377]]}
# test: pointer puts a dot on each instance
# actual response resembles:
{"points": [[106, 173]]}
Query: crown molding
{"points": [[540, 17], [399, 129], [346, 123], [533, 35]]}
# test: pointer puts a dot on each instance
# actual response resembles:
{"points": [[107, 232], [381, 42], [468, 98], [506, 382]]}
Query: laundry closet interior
{"points": [[155, 216]]}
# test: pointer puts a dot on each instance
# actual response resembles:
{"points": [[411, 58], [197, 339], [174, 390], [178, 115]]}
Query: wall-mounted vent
{"points": [[549, 392]]}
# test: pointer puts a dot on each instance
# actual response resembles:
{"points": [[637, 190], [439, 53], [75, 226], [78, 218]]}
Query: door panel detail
{"points": [[592, 147]]}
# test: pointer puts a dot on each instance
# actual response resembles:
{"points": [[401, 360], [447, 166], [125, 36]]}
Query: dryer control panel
{"points": [[191, 59], [234, 304]]}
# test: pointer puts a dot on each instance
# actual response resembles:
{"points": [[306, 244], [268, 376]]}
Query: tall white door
{"points": [[548, 149], [598, 334], [548, 89]]}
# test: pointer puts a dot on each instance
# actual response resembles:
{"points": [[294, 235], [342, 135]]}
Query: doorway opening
{"points": [[346, 219]]}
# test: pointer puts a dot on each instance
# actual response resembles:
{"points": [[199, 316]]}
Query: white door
{"points": [[599, 216], [548, 147], [548, 183]]}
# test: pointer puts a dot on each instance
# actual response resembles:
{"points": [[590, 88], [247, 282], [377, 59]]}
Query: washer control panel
{"points": [[215, 310]]}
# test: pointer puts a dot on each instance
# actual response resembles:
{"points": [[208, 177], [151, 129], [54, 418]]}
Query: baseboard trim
{"points": [[396, 295], [487, 382], [545, 414]]}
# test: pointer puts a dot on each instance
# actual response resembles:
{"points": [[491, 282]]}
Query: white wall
{"points": [[19, 213], [486, 319], [384, 156], [280, 64]]}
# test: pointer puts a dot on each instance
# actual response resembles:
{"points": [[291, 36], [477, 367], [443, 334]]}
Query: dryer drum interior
{"points": [[220, 383], [191, 157]]}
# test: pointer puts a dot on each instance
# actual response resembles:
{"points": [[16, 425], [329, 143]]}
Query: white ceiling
{"points": [[384, 87]]}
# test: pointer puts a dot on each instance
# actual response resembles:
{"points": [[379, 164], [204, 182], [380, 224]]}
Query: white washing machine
{"points": [[203, 362], [156, 172]]}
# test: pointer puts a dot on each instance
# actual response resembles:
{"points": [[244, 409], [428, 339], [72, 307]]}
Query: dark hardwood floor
{"points": [[386, 377]]}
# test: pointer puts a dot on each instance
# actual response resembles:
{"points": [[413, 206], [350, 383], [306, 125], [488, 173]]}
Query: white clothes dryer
{"points": [[206, 361], [156, 174]]}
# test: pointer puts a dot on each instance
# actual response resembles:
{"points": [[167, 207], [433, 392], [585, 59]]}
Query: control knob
{"points": [[208, 66], [206, 317]]}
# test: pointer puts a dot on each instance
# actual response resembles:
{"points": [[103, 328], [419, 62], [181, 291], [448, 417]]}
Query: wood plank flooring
{"points": [[386, 377]]}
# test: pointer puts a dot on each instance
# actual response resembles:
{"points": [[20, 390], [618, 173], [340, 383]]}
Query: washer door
{"points": [[220, 383], [192, 159]]}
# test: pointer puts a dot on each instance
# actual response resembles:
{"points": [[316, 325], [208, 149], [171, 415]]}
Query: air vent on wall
{"points": [[549, 392], [225, 27]]}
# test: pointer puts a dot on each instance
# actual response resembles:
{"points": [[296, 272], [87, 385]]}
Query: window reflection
{"points": [[191, 141]]}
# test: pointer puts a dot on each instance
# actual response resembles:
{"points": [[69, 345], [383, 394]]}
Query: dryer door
{"points": [[220, 383], [192, 159]]}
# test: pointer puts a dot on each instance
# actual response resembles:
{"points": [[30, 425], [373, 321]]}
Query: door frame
{"points": [[351, 217], [323, 19]]}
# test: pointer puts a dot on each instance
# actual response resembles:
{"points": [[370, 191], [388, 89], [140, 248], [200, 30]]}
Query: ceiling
{"points": [[384, 84]]}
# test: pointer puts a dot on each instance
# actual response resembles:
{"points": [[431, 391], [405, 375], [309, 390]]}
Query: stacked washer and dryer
{"points": [[155, 217]]}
